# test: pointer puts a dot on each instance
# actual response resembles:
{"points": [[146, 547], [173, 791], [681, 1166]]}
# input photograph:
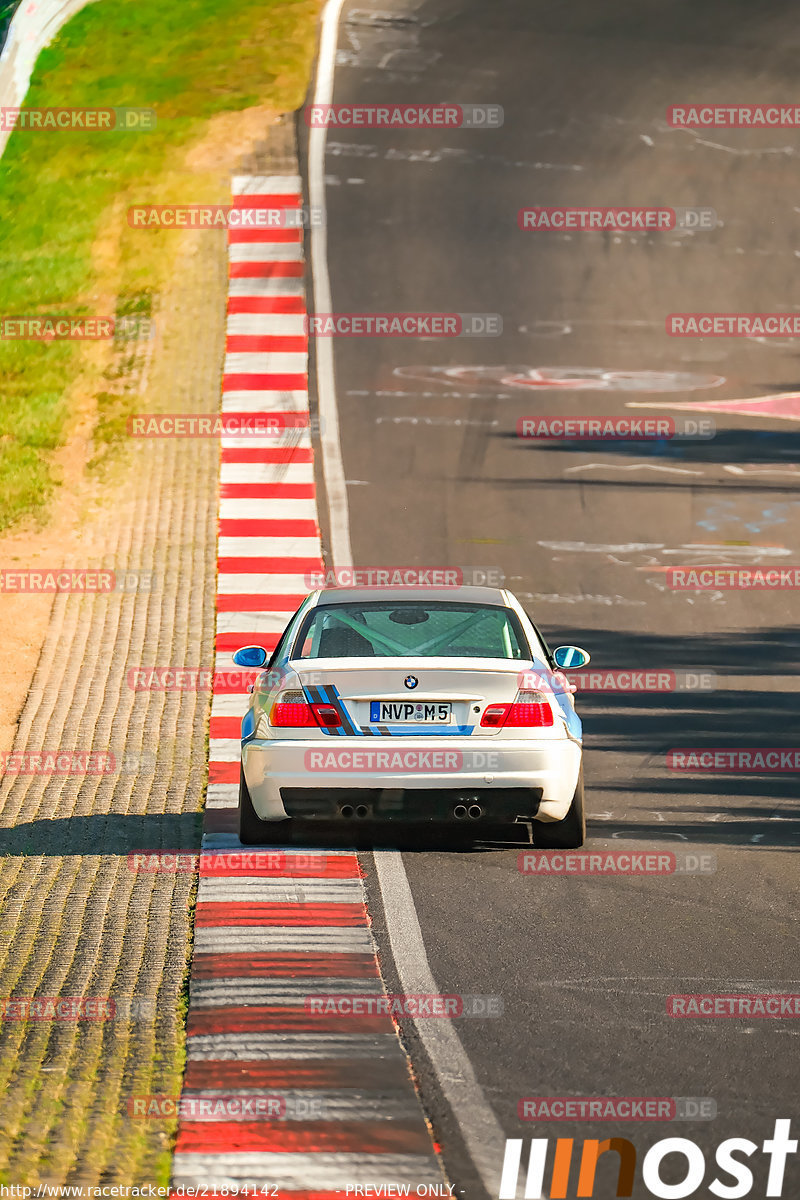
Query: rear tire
{"points": [[252, 829], [568, 834], [255, 832]]}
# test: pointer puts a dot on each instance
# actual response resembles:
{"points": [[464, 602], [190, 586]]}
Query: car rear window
{"points": [[403, 628]]}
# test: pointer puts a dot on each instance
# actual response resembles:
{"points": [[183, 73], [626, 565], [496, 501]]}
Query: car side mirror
{"points": [[571, 658], [250, 656]]}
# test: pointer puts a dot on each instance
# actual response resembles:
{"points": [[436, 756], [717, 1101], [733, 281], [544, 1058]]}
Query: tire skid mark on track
{"points": [[274, 929]]}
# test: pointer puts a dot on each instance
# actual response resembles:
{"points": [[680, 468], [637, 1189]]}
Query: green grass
{"points": [[6, 13], [189, 61]]}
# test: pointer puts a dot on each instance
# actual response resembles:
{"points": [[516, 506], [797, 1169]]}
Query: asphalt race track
{"points": [[426, 221]]}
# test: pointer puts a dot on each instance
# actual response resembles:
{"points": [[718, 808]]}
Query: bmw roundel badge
{"points": [[411, 681]]}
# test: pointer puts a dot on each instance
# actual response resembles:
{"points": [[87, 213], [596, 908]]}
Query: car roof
{"points": [[362, 595]]}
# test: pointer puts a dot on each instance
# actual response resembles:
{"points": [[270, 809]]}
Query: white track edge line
{"points": [[479, 1127], [332, 466]]}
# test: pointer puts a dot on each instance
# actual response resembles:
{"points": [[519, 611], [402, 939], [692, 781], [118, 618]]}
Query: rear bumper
{"points": [[509, 779]]}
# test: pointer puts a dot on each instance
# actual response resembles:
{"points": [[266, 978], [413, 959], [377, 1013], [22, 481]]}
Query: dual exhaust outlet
{"points": [[461, 811], [348, 811]]}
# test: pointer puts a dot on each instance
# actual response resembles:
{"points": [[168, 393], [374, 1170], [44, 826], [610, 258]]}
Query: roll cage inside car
{"points": [[474, 613]]}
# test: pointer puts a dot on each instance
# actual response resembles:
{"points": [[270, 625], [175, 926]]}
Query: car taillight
{"points": [[529, 709], [529, 713], [291, 711], [326, 715]]}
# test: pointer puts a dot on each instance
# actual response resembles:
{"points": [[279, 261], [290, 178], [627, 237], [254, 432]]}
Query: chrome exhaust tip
{"points": [[362, 811], [460, 811], [346, 810], [475, 811]]}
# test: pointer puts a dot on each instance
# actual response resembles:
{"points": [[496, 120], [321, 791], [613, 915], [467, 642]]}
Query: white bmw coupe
{"points": [[412, 704]]}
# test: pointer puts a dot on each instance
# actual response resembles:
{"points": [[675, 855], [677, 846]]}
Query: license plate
{"points": [[395, 712]]}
